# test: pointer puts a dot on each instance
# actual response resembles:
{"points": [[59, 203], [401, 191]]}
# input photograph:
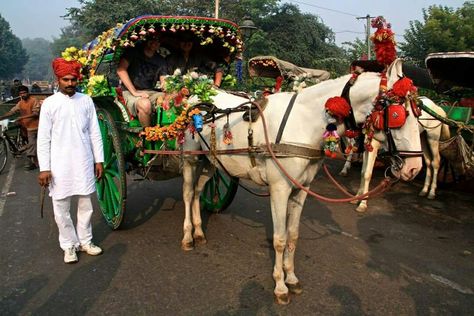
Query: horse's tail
{"points": [[445, 133]]}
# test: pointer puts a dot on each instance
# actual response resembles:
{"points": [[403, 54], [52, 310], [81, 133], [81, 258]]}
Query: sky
{"points": [[42, 18]]}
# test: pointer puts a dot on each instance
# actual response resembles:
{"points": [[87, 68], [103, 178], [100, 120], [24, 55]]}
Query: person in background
{"points": [[70, 155], [35, 88], [14, 93], [28, 107], [3, 91], [140, 69]]}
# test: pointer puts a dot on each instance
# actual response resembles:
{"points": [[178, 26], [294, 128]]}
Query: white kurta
{"points": [[69, 142]]}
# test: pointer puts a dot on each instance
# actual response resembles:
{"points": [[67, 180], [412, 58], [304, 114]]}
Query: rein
{"points": [[384, 185]]}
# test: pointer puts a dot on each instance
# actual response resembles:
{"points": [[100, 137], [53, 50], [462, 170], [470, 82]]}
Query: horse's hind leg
{"points": [[427, 158], [295, 206], [189, 171], [206, 172], [279, 194], [434, 147]]}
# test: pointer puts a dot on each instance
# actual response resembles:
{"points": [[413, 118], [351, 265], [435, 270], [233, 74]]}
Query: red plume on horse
{"points": [[384, 41]]}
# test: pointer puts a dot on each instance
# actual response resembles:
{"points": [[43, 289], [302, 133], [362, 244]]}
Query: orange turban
{"points": [[62, 67]]}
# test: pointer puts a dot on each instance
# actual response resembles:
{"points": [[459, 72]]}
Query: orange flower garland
{"points": [[172, 131]]}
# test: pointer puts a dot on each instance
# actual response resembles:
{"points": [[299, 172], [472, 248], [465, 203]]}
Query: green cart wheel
{"points": [[112, 188], [3, 153], [219, 192]]}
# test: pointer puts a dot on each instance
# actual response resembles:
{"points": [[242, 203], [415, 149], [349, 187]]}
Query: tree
{"points": [[69, 37], [40, 56], [442, 29], [12, 54]]}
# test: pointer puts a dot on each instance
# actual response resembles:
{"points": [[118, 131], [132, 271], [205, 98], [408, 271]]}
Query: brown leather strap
{"points": [[285, 118]]}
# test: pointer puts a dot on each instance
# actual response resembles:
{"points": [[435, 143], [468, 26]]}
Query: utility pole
{"points": [[367, 31], [216, 12]]}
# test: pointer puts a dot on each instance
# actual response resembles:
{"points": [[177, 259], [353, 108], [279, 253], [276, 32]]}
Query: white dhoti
{"points": [[68, 235]]}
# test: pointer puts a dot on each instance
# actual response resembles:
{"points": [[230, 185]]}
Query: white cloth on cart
{"points": [[69, 142]]}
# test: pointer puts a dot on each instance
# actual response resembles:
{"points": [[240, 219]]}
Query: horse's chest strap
{"points": [[285, 119]]}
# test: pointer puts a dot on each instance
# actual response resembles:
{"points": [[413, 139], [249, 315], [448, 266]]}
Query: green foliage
{"points": [[13, 56], [442, 29], [190, 84], [39, 53], [69, 37], [310, 38]]}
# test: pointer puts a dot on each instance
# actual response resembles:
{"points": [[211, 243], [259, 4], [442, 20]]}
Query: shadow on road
{"points": [[78, 293]]}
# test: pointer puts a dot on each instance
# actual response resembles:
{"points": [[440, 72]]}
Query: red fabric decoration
{"points": [[384, 41], [338, 107], [278, 83], [402, 87], [351, 133], [62, 68]]}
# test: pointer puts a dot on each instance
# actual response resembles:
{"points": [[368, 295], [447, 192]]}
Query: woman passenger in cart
{"points": [[189, 58]]}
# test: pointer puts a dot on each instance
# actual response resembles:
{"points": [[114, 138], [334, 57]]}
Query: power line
{"points": [[323, 8]]}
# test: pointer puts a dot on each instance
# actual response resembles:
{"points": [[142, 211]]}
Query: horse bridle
{"points": [[395, 155]]}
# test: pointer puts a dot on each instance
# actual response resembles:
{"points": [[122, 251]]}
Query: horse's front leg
{"points": [[204, 174], [366, 173], [295, 207], [348, 163], [279, 194], [189, 170]]}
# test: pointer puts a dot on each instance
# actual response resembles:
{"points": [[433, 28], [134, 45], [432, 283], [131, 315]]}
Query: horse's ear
{"points": [[394, 72]]}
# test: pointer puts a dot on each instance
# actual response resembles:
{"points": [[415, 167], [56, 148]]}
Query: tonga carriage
{"points": [[125, 147], [451, 75]]}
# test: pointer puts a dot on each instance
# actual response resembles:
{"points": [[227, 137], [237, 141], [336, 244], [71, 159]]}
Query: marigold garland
{"points": [[172, 131]]}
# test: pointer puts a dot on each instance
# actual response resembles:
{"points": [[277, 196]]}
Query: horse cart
{"points": [[450, 73], [126, 148], [271, 74]]}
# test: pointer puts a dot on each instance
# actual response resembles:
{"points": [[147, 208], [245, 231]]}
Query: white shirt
{"points": [[69, 142]]}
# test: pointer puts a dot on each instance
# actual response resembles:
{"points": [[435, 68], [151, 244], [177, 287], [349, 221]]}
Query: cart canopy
{"points": [[451, 69], [272, 67]]}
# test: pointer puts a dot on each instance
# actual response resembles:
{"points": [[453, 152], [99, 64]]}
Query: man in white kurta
{"points": [[69, 147]]}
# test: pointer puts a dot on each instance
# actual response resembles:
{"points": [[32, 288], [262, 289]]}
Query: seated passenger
{"points": [[139, 70], [187, 59], [222, 69]]}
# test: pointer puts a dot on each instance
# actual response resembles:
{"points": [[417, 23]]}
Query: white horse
{"points": [[305, 127], [431, 131]]}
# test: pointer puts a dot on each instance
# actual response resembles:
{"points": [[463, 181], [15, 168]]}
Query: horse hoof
{"points": [[431, 197], [361, 209], [187, 246], [422, 193], [343, 174], [200, 240], [282, 299], [295, 288]]}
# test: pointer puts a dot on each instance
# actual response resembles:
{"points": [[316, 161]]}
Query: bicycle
{"points": [[10, 140]]}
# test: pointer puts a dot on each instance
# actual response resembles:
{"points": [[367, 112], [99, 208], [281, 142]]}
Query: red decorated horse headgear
{"points": [[384, 41]]}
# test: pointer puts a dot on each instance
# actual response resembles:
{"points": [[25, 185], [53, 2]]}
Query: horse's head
{"points": [[405, 151], [401, 143]]}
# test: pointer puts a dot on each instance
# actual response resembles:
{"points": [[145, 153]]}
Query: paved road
{"points": [[406, 256]]}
